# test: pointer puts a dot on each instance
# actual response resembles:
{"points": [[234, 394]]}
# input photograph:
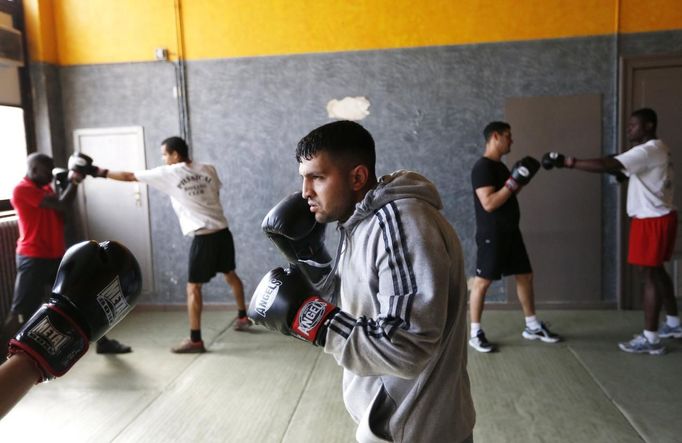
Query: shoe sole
{"points": [[242, 328], [673, 335], [633, 351], [536, 337], [182, 351]]}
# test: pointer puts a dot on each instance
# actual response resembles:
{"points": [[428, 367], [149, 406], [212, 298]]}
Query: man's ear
{"points": [[359, 176]]}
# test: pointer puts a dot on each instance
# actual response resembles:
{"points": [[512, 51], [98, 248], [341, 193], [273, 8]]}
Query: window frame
{"points": [[16, 10]]}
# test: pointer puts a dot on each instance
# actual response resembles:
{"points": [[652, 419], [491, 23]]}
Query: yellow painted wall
{"points": [[102, 31], [42, 39]]}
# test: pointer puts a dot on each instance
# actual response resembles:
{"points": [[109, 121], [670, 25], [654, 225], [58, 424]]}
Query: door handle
{"points": [[138, 196]]}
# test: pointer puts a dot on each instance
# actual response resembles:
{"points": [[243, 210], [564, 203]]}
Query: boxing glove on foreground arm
{"points": [[97, 285], [296, 233], [284, 301]]}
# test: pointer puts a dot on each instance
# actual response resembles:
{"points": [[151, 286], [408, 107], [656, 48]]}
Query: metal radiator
{"points": [[9, 233]]}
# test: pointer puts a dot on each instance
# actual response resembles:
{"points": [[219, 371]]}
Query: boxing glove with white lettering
{"points": [[97, 285], [285, 301]]}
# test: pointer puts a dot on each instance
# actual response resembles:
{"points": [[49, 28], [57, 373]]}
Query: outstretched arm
{"points": [[605, 164], [123, 176]]}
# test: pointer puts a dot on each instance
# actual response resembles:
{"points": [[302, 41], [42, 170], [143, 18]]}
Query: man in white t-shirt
{"points": [[194, 190], [653, 228]]}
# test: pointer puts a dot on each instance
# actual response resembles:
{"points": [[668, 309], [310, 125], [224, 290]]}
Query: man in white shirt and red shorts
{"points": [[648, 165]]}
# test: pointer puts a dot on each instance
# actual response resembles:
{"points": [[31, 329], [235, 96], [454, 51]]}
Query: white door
{"points": [[114, 210]]}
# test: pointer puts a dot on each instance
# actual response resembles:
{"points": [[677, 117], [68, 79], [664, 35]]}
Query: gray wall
{"points": [[428, 106]]}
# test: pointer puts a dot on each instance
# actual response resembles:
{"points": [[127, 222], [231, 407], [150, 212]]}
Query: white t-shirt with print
{"points": [[194, 191], [650, 188]]}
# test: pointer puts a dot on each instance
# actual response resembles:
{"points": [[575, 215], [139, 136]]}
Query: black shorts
{"points": [[210, 254], [500, 254], [33, 285]]}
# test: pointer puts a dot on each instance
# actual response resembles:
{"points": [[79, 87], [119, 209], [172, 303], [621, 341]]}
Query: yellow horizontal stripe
{"points": [[102, 31], [650, 15]]}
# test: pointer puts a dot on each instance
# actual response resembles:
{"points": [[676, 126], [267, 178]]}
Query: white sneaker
{"points": [[480, 343], [543, 334], [640, 345], [666, 331]]}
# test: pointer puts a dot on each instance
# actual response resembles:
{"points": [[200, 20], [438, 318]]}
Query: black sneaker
{"points": [[109, 346], [480, 343]]}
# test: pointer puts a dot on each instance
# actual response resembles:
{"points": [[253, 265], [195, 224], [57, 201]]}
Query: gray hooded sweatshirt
{"points": [[401, 333]]}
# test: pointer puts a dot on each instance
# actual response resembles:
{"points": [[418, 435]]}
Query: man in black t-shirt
{"points": [[500, 247]]}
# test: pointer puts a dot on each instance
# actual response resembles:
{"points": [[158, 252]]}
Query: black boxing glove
{"points": [[556, 160], [61, 179], [296, 233], [284, 301], [97, 285], [521, 173], [83, 164]]}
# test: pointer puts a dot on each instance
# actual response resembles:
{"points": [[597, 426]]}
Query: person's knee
{"points": [[524, 278], [232, 278], [480, 285], [649, 273], [194, 289]]}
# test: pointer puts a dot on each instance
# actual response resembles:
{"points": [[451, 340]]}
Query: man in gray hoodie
{"points": [[399, 330]]}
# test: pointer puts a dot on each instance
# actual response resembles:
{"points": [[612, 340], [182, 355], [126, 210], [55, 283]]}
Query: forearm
{"points": [[17, 376], [123, 176], [370, 347], [66, 197], [496, 199], [597, 165]]}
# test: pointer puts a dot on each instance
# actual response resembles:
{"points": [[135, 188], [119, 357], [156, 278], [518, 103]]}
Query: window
{"points": [[13, 142], [17, 138]]}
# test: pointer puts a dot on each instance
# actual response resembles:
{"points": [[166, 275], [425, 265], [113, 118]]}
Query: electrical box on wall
{"points": [[161, 54], [11, 47]]}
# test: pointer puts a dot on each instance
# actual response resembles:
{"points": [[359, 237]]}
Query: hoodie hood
{"points": [[398, 185]]}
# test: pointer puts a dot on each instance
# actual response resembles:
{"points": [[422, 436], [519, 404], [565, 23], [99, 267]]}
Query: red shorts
{"points": [[652, 240]]}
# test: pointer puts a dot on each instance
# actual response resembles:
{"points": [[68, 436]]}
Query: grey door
{"points": [[560, 209], [112, 210], [654, 82]]}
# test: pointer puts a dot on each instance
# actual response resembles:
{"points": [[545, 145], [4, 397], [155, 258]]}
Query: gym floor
{"points": [[259, 386]]}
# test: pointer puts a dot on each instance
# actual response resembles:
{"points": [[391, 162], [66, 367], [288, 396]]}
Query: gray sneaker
{"points": [[640, 345], [669, 332]]}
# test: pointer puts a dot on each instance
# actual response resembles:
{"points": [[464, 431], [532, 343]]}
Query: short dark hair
{"points": [[343, 139], [39, 158], [495, 127], [647, 115], [176, 144]]}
